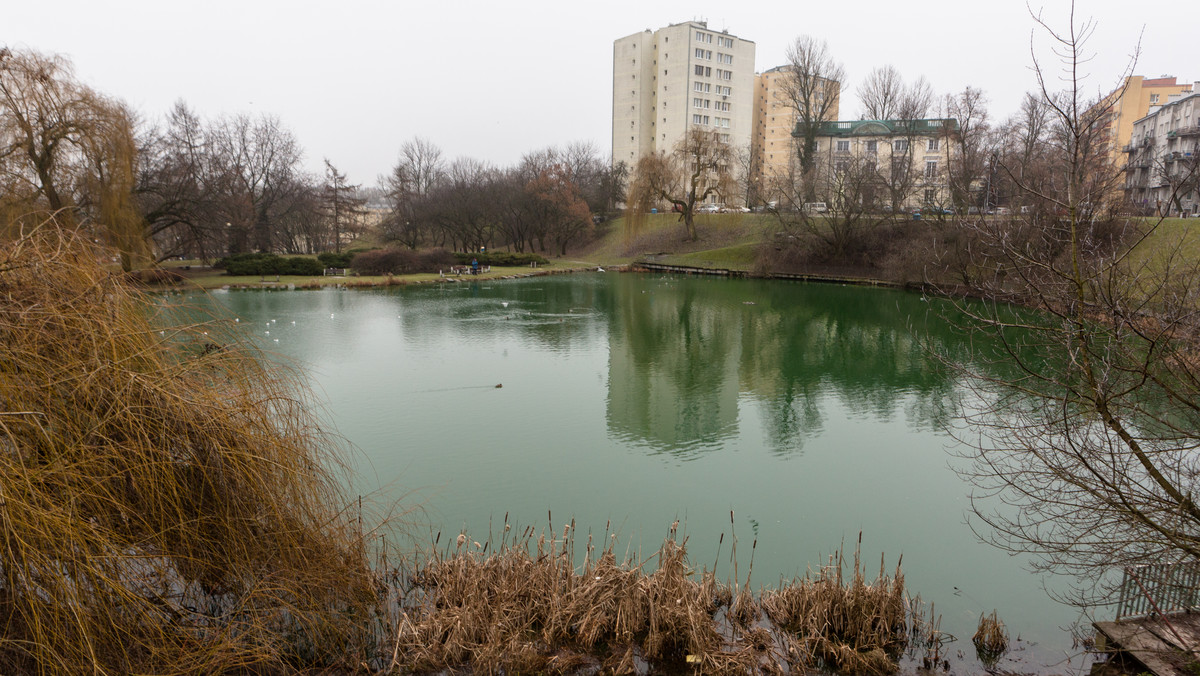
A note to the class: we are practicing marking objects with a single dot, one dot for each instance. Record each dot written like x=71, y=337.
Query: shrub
x=401, y=261
x=168, y=503
x=331, y=259
x=504, y=258
x=269, y=264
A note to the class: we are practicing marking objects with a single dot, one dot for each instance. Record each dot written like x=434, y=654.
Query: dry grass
x=528, y=607
x=167, y=504
x=990, y=639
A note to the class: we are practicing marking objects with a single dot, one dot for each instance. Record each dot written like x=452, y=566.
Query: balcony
x=1193, y=130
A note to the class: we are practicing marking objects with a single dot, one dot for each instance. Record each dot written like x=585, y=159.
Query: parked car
x=815, y=208
x=708, y=209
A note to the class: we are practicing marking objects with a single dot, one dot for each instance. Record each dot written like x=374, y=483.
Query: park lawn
x=725, y=235
x=736, y=257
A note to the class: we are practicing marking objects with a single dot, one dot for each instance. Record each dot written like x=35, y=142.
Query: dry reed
x=990, y=639
x=528, y=607
x=167, y=503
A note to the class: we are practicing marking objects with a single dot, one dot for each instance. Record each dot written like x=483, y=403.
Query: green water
x=811, y=411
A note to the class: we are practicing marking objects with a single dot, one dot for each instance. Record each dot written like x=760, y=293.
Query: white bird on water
x=504, y=303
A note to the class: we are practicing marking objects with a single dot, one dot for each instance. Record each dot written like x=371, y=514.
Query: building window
x=872, y=146
x=695, y=119
x=843, y=146
x=841, y=166
x=932, y=145
x=931, y=169
x=723, y=91
x=900, y=145
x=724, y=58
x=697, y=103
x=1153, y=99
x=930, y=195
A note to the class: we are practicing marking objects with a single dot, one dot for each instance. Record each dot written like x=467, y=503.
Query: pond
x=811, y=411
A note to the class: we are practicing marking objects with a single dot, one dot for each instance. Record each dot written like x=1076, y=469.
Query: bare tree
x=881, y=92
x=969, y=139
x=852, y=191
x=811, y=89
x=342, y=204
x=413, y=179
x=699, y=167
x=258, y=160
x=1084, y=433
x=885, y=96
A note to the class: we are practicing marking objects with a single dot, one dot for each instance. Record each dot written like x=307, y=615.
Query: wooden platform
x=1165, y=648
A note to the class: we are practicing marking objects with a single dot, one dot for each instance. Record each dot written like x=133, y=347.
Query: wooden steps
x=1165, y=648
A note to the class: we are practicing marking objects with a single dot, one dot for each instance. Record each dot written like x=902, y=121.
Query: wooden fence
x=1159, y=588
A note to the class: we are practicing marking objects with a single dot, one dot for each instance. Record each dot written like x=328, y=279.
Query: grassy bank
x=195, y=274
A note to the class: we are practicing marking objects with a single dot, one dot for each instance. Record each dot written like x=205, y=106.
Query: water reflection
x=682, y=356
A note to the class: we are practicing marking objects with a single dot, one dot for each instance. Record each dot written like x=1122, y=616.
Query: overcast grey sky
x=354, y=79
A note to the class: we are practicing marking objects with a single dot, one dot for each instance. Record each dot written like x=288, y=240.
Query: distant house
x=908, y=160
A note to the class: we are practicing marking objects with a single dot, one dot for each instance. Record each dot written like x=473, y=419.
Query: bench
x=467, y=270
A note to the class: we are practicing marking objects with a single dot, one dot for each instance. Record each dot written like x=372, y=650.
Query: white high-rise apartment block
x=684, y=75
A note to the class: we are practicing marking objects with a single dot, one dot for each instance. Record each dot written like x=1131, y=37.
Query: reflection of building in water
x=673, y=367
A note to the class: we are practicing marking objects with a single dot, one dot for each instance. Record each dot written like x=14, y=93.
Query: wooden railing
x=1159, y=588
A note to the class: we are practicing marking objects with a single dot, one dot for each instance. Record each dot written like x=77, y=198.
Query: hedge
x=270, y=264
x=401, y=261
x=503, y=258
